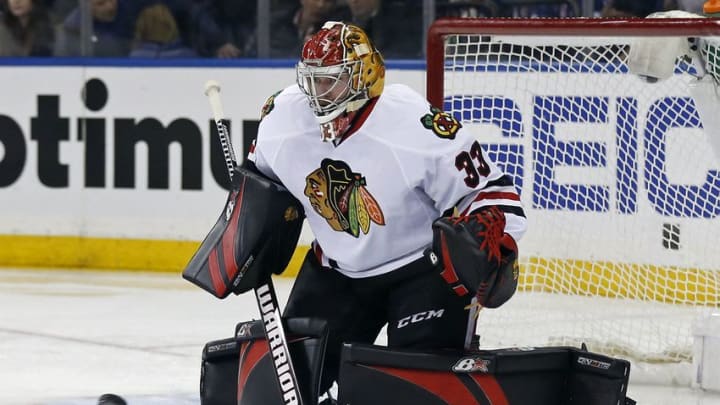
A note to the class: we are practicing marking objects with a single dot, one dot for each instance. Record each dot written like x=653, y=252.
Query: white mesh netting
x=620, y=184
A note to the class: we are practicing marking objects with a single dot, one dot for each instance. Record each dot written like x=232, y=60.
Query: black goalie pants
x=420, y=309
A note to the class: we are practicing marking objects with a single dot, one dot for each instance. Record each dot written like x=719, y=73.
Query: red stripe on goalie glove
x=448, y=273
x=226, y=249
x=216, y=278
x=228, y=239
x=460, y=290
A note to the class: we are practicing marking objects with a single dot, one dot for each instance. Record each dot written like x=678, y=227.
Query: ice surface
x=68, y=336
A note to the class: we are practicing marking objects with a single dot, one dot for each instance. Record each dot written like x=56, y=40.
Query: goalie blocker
x=254, y=237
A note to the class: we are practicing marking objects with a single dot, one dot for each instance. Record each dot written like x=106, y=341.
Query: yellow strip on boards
x=107, y=253
x=574, y=277
x=675, y=285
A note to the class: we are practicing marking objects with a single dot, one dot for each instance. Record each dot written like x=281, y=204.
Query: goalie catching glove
x=477, y=256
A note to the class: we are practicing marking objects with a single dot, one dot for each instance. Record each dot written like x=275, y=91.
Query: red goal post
x=595, y=27
x=617, y=173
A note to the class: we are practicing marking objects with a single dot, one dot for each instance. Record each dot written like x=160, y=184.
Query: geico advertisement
x=125, y=151
x=609, y=166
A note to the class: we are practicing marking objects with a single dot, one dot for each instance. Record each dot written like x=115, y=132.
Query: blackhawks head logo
x=441, y=123
x=341, y=197
x=268, y=106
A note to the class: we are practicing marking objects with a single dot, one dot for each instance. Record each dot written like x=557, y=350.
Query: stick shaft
x=213, y=94
x=277, y=341
x=265, y=293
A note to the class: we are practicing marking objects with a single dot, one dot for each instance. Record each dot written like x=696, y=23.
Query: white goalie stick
x=265, y=292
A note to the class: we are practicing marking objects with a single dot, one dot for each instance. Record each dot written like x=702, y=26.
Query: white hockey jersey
x=370, y=201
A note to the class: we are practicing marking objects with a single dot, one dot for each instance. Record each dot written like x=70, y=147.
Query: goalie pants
x=420, y=309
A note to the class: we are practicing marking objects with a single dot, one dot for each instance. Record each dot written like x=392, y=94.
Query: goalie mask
x=340, y=70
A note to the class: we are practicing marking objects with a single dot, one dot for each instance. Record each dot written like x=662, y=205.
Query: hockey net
x=618, y=177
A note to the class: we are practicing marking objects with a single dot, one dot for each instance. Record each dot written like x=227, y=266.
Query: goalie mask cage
x=618, y=178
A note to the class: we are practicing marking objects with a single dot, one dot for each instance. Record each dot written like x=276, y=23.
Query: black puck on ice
x=111, y=399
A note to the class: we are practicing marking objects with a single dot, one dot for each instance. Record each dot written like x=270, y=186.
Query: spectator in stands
x=293, y=24
x=25, y=29
x=548, y=9
x=467, y=9
x=630, y=8
x=393, y=25
x=182, y=12
x=224, y=28
x=113, y=25
x=691, y=6
x=157, y=35
x=60, y=9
